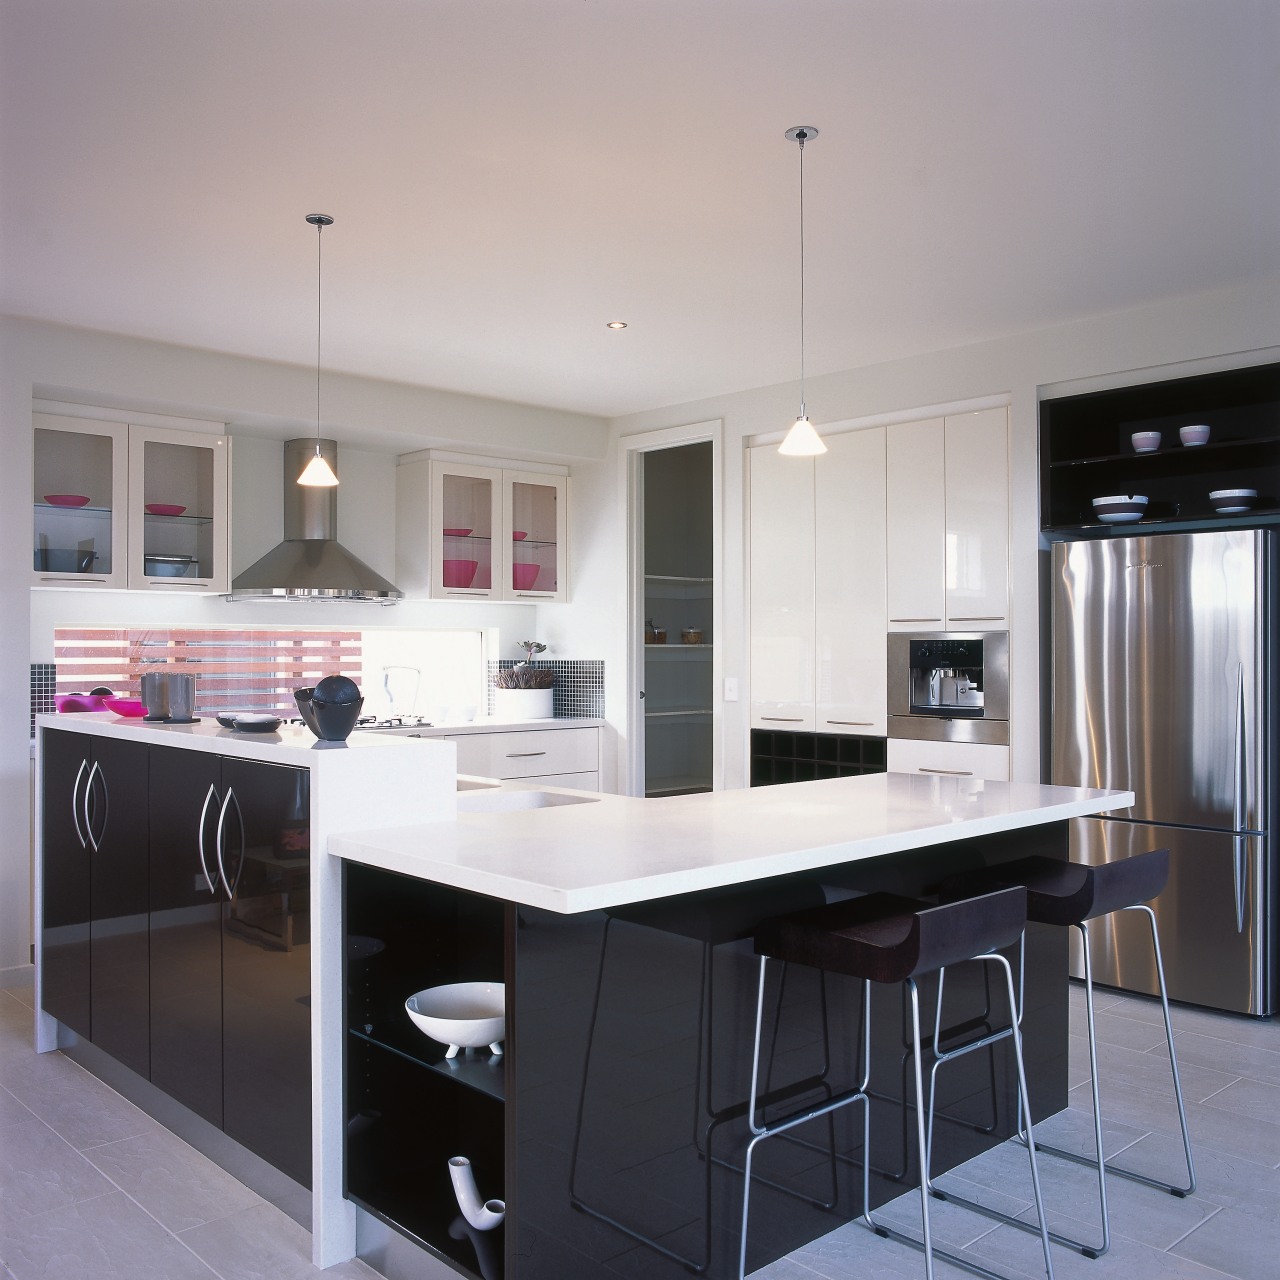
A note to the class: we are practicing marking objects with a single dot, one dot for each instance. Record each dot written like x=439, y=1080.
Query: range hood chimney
x=311, y=564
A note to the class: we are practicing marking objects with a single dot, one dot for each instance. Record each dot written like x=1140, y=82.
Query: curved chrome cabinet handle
x=230, y=886
x=96, y=771
x=75, y=800
x=211, y=794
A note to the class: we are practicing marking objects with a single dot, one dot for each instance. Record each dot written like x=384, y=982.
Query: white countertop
x=612, y=850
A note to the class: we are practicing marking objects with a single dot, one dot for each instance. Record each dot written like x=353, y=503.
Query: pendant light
x=802, y=441
x=318, y=473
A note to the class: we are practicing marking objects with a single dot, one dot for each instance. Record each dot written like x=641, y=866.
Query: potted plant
x=525, y=692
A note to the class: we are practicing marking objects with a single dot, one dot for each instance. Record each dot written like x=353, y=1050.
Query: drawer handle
x=79, y=577
x=915, y=619
x=978, y=617
x=862, y=724
x=520, y=755
x=784, y=719
x=951, y=773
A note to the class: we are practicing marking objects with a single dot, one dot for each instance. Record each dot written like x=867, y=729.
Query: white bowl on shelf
x=1194, y=434
x=1145, y=441
x=462, y=1015
x=1228, y=502
x=1120, y=508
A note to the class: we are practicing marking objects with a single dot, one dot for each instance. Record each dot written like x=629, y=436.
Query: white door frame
x=630, y=452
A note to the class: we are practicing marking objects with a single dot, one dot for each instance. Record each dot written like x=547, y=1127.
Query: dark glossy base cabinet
x=95, y=945
x=181, y=944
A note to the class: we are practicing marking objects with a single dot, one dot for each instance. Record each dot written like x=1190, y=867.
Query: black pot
x=334, y=720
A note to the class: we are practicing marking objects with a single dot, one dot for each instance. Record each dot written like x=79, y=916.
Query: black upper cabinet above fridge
x=1087, y=452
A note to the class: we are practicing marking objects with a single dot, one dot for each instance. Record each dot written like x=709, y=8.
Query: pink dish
x=456, y=533
x=164, y=509
x=65, y=702
x=131, y=707
x=66, y=499
x=460, y=573
x=518, y=535
x=523, y=576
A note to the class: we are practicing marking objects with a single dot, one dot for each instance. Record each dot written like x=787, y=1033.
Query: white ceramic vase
x=483, y=1215
x=523, y=704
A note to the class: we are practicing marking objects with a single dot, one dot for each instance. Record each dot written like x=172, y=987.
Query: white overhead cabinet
x=468, y=531
x=947, y=491
x=120, y=506
x=818, y=587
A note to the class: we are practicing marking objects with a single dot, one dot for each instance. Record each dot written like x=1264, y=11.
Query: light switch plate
x=731, y=688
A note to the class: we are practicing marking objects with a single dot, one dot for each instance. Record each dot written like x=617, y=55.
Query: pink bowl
x=164, y=509
x=523, y=576
x=78, y=702
x=460, y=573
x=456, y=533
x=131, y=707
x=518, y=535
x=66, y=499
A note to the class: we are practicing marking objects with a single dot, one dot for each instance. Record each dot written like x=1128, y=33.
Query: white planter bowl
x=1145, y=441
x=523, y=704
x=462, y=1015
x=1196, y=433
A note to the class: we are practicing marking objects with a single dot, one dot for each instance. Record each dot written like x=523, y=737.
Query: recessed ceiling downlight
x=616, y=324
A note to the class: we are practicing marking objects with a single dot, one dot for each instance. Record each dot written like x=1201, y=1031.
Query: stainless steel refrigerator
x=1163, y=661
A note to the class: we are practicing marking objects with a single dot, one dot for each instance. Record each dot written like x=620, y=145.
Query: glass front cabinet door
x=533, y=509
x=496, y=534
x=80, y=483
x=178, y=535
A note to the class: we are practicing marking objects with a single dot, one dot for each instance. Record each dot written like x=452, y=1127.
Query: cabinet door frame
x=218, y=581
x=497, y=558
x=976, y=487
x=118, y=434
x=507, y=528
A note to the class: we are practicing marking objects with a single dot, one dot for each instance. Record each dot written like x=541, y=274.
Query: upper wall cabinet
x=480, y=532
x=947, y=495
x=127, y=506
x=1087, y=451
x=818, y=587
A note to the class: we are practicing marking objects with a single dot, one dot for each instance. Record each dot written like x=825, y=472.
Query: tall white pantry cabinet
x=904, y=528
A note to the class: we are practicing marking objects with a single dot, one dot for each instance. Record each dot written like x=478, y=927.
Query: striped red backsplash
x=235, y=670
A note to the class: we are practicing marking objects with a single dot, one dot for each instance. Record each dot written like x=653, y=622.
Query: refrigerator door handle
x=1241, y=800
x=1240, y=864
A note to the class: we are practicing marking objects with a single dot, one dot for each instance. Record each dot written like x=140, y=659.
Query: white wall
x=264, y=403
x=1182, y=335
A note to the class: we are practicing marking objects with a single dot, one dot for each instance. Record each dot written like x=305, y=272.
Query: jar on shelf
x=691, y=635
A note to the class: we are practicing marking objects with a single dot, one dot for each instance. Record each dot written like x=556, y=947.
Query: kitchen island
x=612, y=1124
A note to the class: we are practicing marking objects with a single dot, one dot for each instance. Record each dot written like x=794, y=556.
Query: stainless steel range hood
x=311, y=564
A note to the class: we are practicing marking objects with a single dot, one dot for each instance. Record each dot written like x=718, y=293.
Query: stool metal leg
x=924, y=1137
x=1131, y=1174
x=761, y=1130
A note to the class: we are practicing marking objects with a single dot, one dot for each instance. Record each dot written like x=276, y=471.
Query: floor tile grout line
x=1224, y=1088
x=1209, y=1218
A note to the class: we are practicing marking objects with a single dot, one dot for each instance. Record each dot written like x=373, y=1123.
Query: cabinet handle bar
x=520, y=755
x=915, y=619
x=951, y=773
x=861, y=724
x=75, y=799
x=978, y=617
x=784, y=719
x=79, y=577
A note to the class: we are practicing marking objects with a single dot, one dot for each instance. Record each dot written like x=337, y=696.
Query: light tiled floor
x=90, y=1186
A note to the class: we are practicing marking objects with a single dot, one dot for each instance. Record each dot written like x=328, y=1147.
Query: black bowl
x=335, y=720
x=303, y=698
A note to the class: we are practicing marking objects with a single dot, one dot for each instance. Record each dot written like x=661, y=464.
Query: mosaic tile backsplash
x=579, y=687
x=44, y=678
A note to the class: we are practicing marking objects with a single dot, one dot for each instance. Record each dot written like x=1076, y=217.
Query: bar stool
x=1070, y=894
x=712, y=918
x=884, y=938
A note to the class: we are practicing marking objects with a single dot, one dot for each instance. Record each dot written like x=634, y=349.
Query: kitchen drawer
x=534, y=753
x=966, y=759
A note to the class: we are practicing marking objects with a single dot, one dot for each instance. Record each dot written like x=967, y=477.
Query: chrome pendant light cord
x=319, y=313
x=318, y=472
x=800, y=138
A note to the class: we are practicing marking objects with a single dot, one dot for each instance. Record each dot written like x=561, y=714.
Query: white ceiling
x=508, y=175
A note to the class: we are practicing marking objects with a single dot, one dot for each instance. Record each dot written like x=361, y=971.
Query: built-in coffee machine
x=950, y=686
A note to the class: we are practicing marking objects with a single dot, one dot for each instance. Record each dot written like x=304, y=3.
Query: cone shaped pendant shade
x=802, y=441
x=318, y=473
